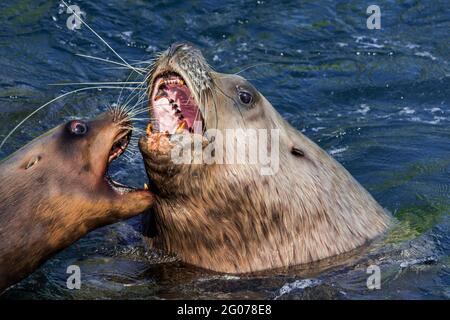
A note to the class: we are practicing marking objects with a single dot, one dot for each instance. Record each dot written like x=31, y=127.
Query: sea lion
x=55, y=190
x=230, y=217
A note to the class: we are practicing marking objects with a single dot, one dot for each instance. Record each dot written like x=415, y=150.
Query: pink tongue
x=182, y=97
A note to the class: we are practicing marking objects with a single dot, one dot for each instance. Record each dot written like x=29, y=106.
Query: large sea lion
x=55, y=190
x=230, y=217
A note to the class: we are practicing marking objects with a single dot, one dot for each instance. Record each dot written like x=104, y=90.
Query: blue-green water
x=377, y=100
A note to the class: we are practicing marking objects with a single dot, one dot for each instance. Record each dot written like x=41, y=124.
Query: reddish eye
x=78, y=128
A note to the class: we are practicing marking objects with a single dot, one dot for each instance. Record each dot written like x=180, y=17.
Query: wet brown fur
x=50, y=205
x=230, y=218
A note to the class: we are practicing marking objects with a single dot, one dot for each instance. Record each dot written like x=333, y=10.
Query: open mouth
x=119, y=147
x=173, y=106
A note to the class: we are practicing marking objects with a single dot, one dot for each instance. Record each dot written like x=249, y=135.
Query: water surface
x=377, y=100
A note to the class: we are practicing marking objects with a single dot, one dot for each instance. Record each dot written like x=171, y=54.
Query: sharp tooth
x=149, y=129
x=181, y=82
x=145, y=186
x=180, y=128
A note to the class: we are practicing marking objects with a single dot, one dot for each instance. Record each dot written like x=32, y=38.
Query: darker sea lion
x=230, y=217
x=55, y=190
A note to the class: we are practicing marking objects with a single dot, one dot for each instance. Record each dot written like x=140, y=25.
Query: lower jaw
x=119, y=187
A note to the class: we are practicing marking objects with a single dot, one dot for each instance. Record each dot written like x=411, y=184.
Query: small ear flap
x=32, y=162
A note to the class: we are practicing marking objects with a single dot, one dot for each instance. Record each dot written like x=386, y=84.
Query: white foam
x=412, y=46
x=434, y=110
x=425, y=54
x=297, y=285
x=435, y=120
x=407, y=110
x=337, y=150
x=363, y=109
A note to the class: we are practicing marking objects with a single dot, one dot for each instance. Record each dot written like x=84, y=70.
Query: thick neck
x=32, y=234
x=28, y=242
x=240, y=221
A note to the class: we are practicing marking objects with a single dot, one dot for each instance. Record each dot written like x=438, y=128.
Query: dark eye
x=245, y=97
x=78, y=128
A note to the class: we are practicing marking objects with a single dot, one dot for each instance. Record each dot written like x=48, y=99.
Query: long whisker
x=92, y=83
x=141, y=118
x=136, y=110
x=138, y=119
x=253, y=66
x=139, y=111
x=234, y=102
x=141, y=99
x=96, y=34
x=133, y=95
x=114, y=68
x=122, y=66
x=124, y=107
x=108, y=61
x=140, y=104
x=46, y=104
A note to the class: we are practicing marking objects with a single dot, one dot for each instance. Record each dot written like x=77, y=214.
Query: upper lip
x=161, y=79
x=119, y=145
x=164, y=77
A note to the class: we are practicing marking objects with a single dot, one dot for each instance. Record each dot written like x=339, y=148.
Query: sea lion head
x=65, y=172
x=188, y=97
x=233, y=216
x=56, y=189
